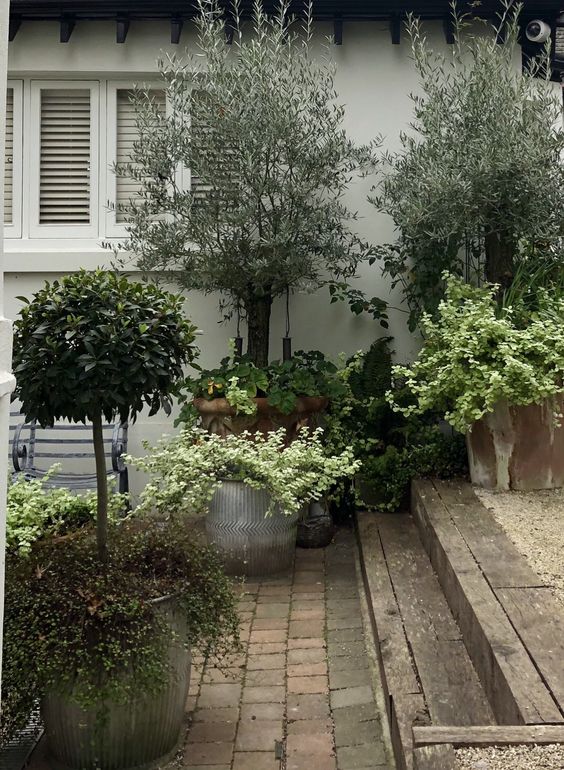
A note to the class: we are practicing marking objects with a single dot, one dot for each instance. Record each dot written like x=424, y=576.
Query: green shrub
x=387, y=476
x=476, y=354
x=34, y=512
x=187, y=469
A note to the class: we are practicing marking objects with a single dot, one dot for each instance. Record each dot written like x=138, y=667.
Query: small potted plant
x=495, y=369
x=109, y=621
x=255, y=487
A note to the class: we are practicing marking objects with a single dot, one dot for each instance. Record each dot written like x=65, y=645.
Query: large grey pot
x=141, y=734
x=249, y=542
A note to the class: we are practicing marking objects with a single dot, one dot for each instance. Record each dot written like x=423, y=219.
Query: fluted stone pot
x=518, y=447
x=218, y=416
x=249, y=542
x=139, y=735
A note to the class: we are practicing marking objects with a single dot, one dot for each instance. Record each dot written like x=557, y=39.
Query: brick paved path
x=302, y=689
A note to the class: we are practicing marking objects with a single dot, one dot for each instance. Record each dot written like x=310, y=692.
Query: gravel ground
x=535, y=523
x=511, y=758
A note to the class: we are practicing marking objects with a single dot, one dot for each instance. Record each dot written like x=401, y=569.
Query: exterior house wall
x=374, y=80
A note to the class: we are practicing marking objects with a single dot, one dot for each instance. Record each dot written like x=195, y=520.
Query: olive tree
x=93, y=346
x=259, y=125
x=480, y=173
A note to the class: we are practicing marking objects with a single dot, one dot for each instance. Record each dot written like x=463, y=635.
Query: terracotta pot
x=218, y=416
x=518, y=447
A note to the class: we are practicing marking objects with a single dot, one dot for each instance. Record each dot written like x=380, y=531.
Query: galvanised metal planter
x=249, y=542
x=139, y=735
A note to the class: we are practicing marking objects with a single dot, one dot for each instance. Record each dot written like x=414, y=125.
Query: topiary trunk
x=258, y=310
x=102, y=488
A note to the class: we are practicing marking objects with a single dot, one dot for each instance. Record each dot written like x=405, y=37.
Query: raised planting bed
x=512, y=624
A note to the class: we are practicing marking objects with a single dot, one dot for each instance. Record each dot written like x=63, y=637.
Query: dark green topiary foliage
x=99, y=343
x=95, y=345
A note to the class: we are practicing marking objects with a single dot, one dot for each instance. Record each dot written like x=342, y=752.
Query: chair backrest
x=34, y=450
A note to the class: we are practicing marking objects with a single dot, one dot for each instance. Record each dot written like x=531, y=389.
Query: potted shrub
x=239, y=396
x=112, y=621
x=496, y=372
x=254, y=486
x=265, y=214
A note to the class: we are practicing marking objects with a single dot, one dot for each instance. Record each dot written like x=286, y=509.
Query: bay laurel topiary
x=95, y=345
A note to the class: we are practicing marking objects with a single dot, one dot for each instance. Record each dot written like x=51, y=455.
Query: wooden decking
x=471, y=643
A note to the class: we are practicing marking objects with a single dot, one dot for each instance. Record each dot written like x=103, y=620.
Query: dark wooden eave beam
x=122, y=28
x=176, y=24
x=449, y=29
x=338, y=29
x=15, y=24
x=67, y=26
x=395, y=28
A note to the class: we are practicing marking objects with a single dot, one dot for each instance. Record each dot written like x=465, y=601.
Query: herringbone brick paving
x=300, y=696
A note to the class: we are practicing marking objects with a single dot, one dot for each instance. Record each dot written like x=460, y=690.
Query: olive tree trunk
x=500, y=259
x=258, y=310
x=102, y=488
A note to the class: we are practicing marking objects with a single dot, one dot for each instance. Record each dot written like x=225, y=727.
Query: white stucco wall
x=374, y=80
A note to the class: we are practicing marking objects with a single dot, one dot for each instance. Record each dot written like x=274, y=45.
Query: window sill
x=60, y=256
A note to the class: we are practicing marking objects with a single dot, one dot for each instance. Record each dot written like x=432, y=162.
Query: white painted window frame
x=14, y=229
x=112, y=228
x=37, y=230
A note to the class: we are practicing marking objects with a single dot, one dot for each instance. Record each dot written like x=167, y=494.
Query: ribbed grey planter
x=141, y=734
x=250, y=543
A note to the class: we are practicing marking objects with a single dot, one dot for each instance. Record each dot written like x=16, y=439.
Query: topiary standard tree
x=96, y=345
x=481, y=173
x=259, y=125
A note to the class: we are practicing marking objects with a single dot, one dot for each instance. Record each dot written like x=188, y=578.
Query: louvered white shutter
x=65, y=156
x=127, y=134
x=9, y=160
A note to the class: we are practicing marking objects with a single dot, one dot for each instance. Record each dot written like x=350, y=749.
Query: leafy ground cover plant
x=476, y=354
x=34, y=512
x=185, y=471
x=482, y=170
x=266, y=212
x=94, y=345
x=391, y=448
x=71, y=627
x=239, y=381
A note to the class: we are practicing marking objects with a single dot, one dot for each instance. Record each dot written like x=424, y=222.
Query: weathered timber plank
x=391, y=638
x=404, y=710
x=451, y=687
x=538, y=618
x=488, y=735
x=404, y=698
x=440, y=757
x=514, y=687
x=499, y=559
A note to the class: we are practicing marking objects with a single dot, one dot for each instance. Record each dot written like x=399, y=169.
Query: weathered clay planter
x=218, y=416
x=249, y=542
x=518, y=447
x=138, y=735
